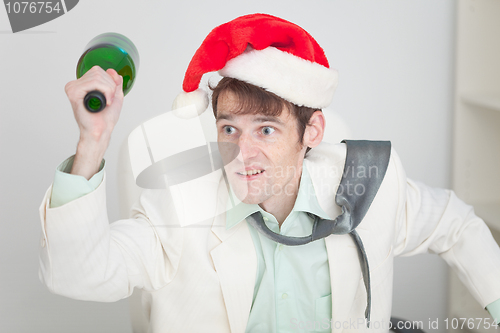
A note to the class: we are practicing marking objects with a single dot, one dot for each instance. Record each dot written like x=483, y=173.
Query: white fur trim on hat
x=198, y=98
x=294, y=79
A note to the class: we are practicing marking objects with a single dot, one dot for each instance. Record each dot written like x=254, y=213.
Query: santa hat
x=265, y=51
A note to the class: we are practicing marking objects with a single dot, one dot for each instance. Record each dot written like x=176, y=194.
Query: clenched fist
x=95, y=128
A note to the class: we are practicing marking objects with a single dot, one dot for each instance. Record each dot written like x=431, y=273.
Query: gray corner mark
x=24, y=15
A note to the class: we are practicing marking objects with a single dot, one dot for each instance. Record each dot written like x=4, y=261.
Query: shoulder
x=326, y=164
x=333, y=156
x=327, y=154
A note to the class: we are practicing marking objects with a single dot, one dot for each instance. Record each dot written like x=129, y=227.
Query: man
x=227, y=274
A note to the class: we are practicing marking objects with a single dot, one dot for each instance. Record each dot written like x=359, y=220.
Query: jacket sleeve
x=84, y=257
x=435, y=220
x=67, y=187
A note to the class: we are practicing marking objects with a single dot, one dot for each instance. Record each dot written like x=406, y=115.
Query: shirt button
x=266, y=219
x=284, y=296
x=280, y=247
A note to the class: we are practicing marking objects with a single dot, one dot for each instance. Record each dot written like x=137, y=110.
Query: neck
x=281, y=205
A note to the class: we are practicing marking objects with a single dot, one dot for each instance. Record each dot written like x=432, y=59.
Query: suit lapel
x=236, y=264
x=327, y=162
x=345, y=275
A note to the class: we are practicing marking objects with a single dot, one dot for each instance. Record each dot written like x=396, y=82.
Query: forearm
x=474, y=255
x=79, y=259
x=83, y=256
x=437, y=221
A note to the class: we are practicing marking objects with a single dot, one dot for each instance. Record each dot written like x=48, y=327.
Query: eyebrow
x=261, y=119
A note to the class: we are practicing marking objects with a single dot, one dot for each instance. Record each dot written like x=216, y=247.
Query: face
x=269, y=163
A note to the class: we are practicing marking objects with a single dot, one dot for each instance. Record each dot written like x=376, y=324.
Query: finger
x=111, y=77
x=115, y=76
x=119, y=90
x=100, y=81
x=118, y=81
x=108, y=89
x=97, y=73
x=97, y=79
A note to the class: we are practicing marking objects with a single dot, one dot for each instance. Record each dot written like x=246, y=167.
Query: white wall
x=395, y=60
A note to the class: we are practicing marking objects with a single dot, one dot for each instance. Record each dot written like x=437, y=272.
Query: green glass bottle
x=109, y=50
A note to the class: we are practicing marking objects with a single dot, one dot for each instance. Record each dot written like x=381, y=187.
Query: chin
x=252, y=200
x=247, y=198
x=249, y=195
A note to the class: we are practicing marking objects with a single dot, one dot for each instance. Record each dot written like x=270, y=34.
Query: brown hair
x=256, y=100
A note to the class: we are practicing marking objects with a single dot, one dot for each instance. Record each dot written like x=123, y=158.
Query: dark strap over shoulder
x=370, y=159
x=365, y=166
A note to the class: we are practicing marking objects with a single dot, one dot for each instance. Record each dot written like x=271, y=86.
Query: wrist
x=95, y=139
x=89, y=156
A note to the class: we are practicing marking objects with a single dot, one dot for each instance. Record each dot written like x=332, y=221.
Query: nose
x=248, y=147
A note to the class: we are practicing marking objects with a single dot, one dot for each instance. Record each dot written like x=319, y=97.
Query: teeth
x=249, y=172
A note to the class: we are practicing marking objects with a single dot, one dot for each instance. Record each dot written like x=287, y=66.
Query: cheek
x=221, y=137
x=286, y=159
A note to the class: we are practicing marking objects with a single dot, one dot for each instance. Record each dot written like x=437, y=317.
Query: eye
x=228, y=130
x=267, y=130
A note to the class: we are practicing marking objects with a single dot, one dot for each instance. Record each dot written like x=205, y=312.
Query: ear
x=315, y=129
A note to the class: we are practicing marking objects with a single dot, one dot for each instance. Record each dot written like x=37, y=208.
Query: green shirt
x=292, y=292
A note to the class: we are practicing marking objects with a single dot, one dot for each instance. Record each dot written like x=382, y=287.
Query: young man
x=232, y=273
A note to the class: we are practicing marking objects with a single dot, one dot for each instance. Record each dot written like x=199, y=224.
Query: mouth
x=250, y=174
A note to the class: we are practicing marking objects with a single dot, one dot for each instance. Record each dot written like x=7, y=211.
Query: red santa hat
x=265, y=51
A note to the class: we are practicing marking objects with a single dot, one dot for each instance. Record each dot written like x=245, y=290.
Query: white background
x=396, y=65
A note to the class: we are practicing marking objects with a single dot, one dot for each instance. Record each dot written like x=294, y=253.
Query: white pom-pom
x=198, y=98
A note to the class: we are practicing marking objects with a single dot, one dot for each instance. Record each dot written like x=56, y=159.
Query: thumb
x=115, y=76
x=119, y=87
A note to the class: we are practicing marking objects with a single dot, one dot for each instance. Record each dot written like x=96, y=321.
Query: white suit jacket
x=201, y=277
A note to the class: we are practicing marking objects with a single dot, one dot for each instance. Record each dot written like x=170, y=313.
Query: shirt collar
x=306, y=202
